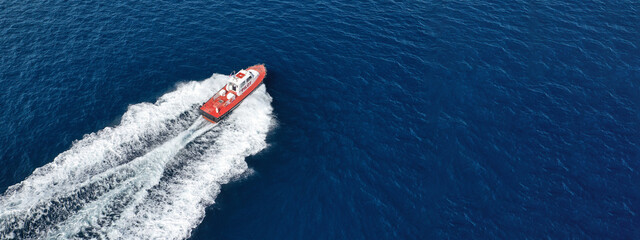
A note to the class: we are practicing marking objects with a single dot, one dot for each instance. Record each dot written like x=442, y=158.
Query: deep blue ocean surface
x=378, y=120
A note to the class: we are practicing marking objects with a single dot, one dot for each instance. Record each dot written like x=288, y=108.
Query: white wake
x=150, y=177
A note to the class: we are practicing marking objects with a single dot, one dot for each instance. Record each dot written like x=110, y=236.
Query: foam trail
x=148, y=170
x=150, y=177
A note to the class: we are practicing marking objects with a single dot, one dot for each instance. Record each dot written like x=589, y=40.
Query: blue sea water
x=379, y=120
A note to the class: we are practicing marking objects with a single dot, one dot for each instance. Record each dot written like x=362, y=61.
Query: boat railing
x=219, y=94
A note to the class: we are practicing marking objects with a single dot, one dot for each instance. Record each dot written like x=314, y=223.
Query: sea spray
x=151, y=176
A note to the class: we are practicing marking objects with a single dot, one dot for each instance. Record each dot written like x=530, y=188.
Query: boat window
x=232, y=87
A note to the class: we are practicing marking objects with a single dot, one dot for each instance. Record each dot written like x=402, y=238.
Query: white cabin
x=241, y=81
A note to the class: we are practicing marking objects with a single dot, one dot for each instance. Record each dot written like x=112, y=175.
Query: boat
x=240, y=85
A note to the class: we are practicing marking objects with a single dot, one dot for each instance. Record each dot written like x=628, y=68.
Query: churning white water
x=150, y=177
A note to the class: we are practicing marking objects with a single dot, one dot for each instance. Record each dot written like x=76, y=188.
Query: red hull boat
x=240, y=85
